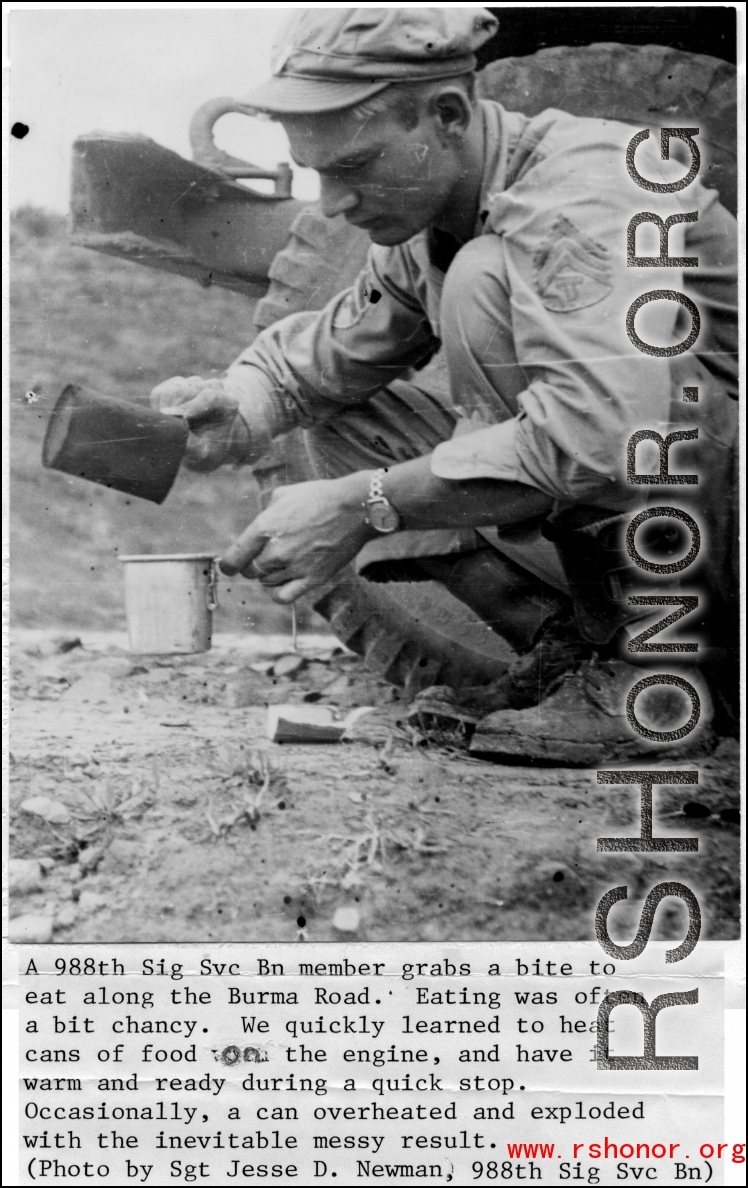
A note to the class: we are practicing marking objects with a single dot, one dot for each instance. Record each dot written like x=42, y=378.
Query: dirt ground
x=148, y=804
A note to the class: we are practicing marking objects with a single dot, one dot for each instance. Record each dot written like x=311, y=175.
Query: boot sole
x=567, y=753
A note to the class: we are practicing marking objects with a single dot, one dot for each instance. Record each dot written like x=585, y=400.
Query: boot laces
x=592, y=670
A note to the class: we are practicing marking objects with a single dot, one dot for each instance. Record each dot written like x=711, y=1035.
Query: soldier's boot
x=575, y=652
x=590, y=716
x=586, y=722
x=560, y=648
x=530, y=678
x=517, y=606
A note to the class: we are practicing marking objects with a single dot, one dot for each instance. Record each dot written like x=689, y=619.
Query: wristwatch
x=380, y=513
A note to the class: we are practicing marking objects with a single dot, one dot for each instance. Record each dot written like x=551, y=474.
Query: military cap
x=327, y=59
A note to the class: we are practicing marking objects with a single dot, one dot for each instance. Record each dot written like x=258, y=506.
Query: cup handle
x=213, y=586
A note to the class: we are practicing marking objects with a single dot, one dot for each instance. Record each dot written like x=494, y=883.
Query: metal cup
x=115, y=442
x=169, y=602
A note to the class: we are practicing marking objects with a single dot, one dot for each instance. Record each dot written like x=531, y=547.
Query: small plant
x=247, y=770
x=104, y=805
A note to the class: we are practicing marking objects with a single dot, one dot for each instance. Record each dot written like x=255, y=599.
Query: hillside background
x=118, y=329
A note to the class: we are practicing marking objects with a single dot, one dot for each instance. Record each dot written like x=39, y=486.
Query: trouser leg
x=487, y=379
x=484, y=369
x=511, y=600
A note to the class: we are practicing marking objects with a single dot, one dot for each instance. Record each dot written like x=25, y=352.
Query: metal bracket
x=206, y=152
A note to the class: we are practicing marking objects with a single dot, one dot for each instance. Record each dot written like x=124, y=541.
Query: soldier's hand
x=306, y=534
x=218, y=433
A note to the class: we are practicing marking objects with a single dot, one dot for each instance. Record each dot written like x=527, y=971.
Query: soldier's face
x=390, y=180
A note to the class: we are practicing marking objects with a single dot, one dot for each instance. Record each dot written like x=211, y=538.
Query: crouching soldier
x=498, y=241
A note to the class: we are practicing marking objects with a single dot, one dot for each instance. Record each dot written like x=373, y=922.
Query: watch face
x=383, y=517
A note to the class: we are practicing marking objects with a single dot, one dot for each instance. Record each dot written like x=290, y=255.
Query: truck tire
x=643, y=85
x=416, y=634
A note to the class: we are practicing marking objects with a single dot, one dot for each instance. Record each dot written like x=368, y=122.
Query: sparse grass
x=119, y=329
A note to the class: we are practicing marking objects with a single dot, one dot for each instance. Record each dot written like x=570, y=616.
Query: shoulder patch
x=571, y=270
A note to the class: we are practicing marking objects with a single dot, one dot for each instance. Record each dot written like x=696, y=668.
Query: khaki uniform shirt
x=587, y=387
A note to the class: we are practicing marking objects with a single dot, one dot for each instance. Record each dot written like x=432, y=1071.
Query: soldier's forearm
x=426, y=501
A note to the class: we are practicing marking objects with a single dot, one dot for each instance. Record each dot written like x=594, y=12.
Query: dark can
x=116, y=443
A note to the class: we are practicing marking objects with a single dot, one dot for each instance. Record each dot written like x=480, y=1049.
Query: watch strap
x=378, y=501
